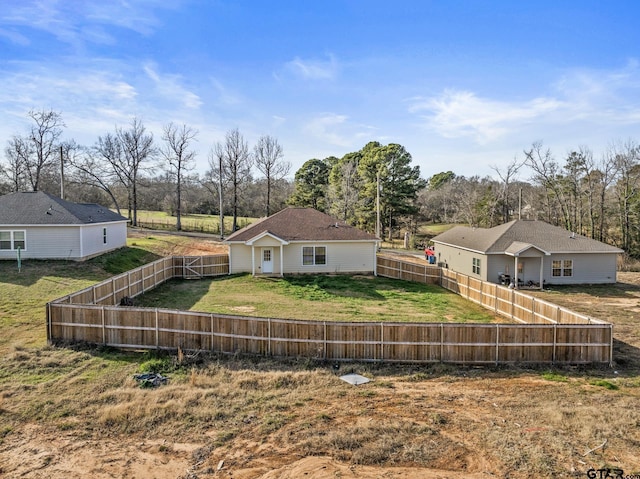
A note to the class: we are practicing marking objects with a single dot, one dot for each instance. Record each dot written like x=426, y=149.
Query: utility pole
x=220, y=197
x=378, y=204
x=61, y=173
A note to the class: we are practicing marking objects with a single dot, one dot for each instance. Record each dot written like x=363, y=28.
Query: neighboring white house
x=301, y=240
x=44, y=226
x=527, y=252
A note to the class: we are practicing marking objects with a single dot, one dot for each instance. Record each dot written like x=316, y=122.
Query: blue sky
x=463, y=85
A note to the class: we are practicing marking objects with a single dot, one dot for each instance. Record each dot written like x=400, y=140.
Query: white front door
x=267, y=260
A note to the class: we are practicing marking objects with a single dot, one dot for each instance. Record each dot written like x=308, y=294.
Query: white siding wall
x=92, y=238
x=461, y=260
x=240, y=257
x=588, y=268
x=60, y=242
x=68, y=242
x=341, y=258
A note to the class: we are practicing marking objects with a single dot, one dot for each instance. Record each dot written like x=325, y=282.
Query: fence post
x=48, y=312
x=381, y=342
x=533, y=310
x=213, y=336
x=104, y=328
x=611, y=345
x=558, y=315
x=158, y=331
x=513, y=301
x=497, y=342
x=269, y=336
x=555, y=343
x=324, y=340
x=400, y=277
x=441, y=342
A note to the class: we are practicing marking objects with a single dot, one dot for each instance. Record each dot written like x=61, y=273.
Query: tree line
x=376, y=188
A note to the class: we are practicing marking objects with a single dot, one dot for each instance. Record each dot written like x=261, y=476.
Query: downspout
x=541, y=271
x=281, y=259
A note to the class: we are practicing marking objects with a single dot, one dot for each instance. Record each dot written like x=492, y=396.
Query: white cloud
x=225, y=95
x=314, y=69
x=76, y=22
x=462, y=113
x=336, y=130
x=580, y=97
x=14, y=37
x=169, y=87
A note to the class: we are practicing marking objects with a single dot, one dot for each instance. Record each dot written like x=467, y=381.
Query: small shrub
x=605, y=384
x=156, y=365
x=551, y=376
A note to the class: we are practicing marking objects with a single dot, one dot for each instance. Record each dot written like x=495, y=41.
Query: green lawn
x=326, y=298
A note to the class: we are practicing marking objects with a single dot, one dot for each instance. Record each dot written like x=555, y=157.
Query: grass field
x=191, y=222
x=77, y=412
x=326, y=298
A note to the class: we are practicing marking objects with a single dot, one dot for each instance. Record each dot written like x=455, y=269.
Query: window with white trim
x=562, y=267
x=12, y=240
x=314, y=255
x=476, y=266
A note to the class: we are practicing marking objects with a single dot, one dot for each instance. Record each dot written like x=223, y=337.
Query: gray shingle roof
x=39, y=208
x=499, y=239
x=301, y=224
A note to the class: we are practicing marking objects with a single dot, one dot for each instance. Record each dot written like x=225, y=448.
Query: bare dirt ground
x=474, y=423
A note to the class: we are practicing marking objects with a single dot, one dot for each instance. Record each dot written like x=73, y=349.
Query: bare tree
x=267, y=155
x=89, y=168
x=215, y=179
x=507, y=177
x=137, y=148
x=15, y=169
x=108, y=152
x=237, y=168
x=547, y=175
x=43, y=139
x=176, y=152
x=627, y=188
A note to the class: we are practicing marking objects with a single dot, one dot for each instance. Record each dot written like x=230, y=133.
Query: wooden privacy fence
x=145, y=278
x=147, y=328
x=551, y=335
x=509, y=303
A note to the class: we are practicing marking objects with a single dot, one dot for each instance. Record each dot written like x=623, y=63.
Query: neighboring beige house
x=527, y=253
x=44, y=226
x=301, y=240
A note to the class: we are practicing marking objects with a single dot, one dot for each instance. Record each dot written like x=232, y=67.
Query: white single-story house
x=43, y=226
x=301, y=240
x=526, y=253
